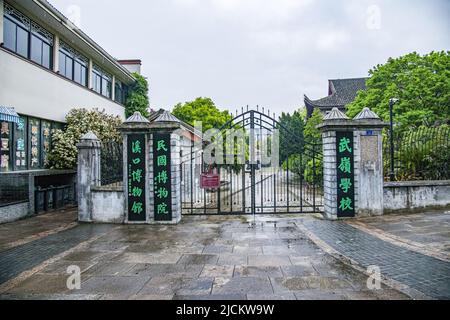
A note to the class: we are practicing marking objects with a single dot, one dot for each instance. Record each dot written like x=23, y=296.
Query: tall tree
x=422, y=83
x=204, y=110
x=138, y=97
x=312, y=134
x=291, y=134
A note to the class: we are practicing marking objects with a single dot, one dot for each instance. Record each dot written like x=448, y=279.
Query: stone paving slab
x=203, y=258
x=423, y=273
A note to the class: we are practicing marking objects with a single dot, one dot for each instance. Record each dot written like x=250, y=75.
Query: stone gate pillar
x=353, y=165
x=89, y=172
x=136, y=162
x=165, y=170
x=369, y=147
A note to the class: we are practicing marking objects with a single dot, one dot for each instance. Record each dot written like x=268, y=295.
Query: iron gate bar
x=267, y=184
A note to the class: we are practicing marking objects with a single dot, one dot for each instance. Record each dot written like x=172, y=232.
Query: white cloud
x=266, y=52
x=331, y=40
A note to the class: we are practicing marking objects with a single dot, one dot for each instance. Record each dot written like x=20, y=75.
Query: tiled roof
x=344, y=91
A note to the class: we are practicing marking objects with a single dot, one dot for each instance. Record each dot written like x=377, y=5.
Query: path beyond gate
x=292, y=185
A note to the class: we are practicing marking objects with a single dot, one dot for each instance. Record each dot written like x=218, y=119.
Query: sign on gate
x=136, y=178
x=209, y=181
x=162, y=177
x=345, y=174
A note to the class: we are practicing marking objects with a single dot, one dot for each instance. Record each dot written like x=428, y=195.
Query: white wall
x=133, y=68
x=40, y=93
x=107, y=206
x=414, y=195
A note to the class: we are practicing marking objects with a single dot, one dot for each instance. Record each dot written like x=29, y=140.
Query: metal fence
x=112, y=164
x=419, y=154
x=14, y=188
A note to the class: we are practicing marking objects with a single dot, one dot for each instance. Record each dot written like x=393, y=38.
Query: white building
x=48, y=66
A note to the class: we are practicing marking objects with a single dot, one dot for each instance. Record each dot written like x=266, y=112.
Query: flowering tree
x=64, y=151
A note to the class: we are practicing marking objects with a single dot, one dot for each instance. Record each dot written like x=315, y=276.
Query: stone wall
x=14, y=212
x=416, y=195
x=329, y=174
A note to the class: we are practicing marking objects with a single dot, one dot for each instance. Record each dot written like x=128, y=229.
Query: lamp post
x=392, y=102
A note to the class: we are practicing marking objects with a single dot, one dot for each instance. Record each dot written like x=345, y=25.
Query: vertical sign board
x=345, y=175
x=136, y=178
x=162, y=177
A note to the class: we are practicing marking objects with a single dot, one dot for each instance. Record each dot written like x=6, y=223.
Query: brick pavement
x=423, y=273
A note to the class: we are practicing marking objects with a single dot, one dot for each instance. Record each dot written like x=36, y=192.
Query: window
x=106, y=86
x=41, y=52
x=22, y=42
x=26, y=38
x=9, y=34
x=80, y=73
x=97, y=81
x=26, y=145
x=72, y=64
x=119, y=92
x=41, y=46
x=16, y=36
x=101, y=82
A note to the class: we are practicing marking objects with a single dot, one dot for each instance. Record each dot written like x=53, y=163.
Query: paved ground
x=426, y=274
x=24, y=231
x=202, y=258
x=427, y=232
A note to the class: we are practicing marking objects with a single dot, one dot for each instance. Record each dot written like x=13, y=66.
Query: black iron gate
x=292, y=185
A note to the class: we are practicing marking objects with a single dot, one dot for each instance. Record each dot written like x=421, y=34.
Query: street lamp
x=392, y=102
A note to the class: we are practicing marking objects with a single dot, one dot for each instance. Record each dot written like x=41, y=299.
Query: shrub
x=64, y=151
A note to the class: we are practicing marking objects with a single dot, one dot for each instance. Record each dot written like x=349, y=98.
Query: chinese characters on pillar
x=136, y=178
x=345, y=174
x=162, y=177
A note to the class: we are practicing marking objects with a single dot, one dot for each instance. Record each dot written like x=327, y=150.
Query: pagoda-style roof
x=341, y=93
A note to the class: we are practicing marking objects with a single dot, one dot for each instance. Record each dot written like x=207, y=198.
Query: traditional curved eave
x=323, y=103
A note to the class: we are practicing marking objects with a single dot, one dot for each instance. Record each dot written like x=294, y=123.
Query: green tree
x=64, y=152
x=137, y=99
x=204, y=110
x=422, y=83
x=291, y=134
x=312, y=134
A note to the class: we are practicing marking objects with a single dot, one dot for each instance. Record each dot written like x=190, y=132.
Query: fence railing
x=111, y=164
x=419, y=154
x=14, y=188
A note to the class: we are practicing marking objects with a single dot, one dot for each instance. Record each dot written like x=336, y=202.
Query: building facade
x=48, y=67
x=341, y=92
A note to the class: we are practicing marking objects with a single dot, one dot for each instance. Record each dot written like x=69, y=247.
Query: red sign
x=209, y=181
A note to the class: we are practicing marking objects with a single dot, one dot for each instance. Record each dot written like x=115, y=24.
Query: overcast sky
x=266, y=52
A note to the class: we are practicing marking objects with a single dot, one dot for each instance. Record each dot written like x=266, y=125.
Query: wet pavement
x=427, y=232
x=428, y=275
x=27, y=230
x=202, y=258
